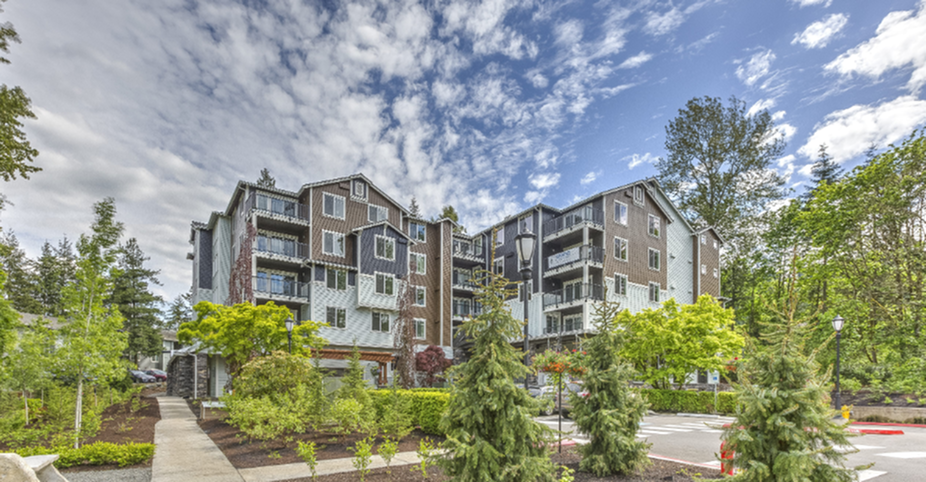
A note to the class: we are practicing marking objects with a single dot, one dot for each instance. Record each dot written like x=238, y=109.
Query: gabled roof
x=710, y=228
x=351, y=178
x=381, y=223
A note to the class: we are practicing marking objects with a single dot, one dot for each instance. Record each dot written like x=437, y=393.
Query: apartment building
x=337, y=251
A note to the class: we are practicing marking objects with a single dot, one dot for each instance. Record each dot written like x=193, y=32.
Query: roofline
x=387, y=223
x=351, y=177
x=709, y=228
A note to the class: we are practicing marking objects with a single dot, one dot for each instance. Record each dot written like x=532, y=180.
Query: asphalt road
x=896, y=458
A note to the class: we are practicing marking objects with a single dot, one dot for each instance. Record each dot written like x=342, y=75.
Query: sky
x=491, y=106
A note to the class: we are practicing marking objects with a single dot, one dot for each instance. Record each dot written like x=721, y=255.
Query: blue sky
x=490, y=106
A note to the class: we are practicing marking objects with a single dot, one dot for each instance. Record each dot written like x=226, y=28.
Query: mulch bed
x=244, y=454
x=662, y=471
x=120, y=426
x=865, y=398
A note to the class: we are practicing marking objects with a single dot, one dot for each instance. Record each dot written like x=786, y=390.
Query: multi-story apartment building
x=337, y=251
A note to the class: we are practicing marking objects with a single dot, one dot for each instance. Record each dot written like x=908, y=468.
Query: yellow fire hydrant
x=846, y=411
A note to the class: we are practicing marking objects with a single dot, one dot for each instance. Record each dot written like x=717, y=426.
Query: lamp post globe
x=289, y=333
x=525, y=243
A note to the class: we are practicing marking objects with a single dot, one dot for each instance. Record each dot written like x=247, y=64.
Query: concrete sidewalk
x=183, y=451
x=332, y=466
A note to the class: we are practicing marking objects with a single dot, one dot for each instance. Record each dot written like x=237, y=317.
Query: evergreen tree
x=413, y=209
x=611, y=413
x=784, y=427
x=178, y=312
x=824, y=171
x=448, y=212
x=490, y=433
x=48, y=287
x=9, y=320
x=22, y=282
x=16, y=154
x=131, y=295
x=354, y=386
x=266, y=180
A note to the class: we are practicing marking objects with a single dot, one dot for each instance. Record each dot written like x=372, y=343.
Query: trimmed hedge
x=427, y=406
x=688, y=402
x=98, y=453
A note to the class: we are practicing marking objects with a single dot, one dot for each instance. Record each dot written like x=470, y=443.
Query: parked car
x=547, y=394
x=141, y=377
x=159, y=375
x=568, y=389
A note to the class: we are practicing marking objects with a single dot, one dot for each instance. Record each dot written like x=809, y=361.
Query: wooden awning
x=381, y=357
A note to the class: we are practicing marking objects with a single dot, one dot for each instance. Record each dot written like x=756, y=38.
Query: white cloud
x=756, y=67
x=589, y=178
x=544, y=180
x=849, y=132
x=759, y=106
x=897, y=43
x=635, y=61
x=662, y=23
x=777, y=116
x=786, y=166
x=786, y=131
x=807, y=3
x=637, y=159
x=818, y=34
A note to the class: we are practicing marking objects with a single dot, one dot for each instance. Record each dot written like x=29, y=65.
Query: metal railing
x=574, y=292
x=578, y=254
x=282, y=287
x=284, y=247
x=567, y=326
x=575, y=217
x=463, y=280
x=290, y=209
x=462, y=310
x=467, y=250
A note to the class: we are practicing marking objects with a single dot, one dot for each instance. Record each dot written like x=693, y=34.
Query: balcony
x=468, y=251
x=463, y=281
x=279, y=209
x=572, y=259
x=463, y=310
x=282, y=289
x=573, y=221
x=281, y=249
x=572, y=295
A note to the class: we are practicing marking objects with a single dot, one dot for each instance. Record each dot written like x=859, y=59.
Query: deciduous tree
x=432, y=362
x=16, y=154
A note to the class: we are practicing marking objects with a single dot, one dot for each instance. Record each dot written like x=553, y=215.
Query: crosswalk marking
x=653, y=432
x=905, y=455
x=670, y=429
x=869, y=474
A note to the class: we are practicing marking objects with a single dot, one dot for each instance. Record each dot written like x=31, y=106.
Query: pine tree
x=611, y=413
x=135, y=301
x=824, y=171
x=784, y=427
x=490, y=433
x=22, y=282
x=413, y=209
x=266, y=180
x=354, y=386
x=178, y=312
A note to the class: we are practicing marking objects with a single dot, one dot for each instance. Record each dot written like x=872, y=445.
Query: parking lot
x=896, y=458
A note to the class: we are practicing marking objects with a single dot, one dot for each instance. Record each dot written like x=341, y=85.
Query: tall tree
x=413, y=209
x=9, y=320
x=179, y=312
x=132, y=296
x=266, y=180
x=22, y=282
x=448, y=212
x=404, y=336
x=91, y=338
x=52, y=274
x=16, y=154
x=824, y=171
x=27, y=363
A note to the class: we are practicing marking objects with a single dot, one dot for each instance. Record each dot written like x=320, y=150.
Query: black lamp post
x=525, y=244
x=289, y=333
x=837, y=325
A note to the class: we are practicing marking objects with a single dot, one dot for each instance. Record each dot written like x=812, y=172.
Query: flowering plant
x=556, y=362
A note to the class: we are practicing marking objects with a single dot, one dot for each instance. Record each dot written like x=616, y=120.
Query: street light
x=838, y=322
x=524, y=242
x=289, y=333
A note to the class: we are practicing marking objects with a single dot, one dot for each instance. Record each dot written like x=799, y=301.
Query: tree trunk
x=78, y=410
x=26, y=404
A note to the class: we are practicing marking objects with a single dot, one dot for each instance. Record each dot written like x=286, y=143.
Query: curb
x=874, y=431
x=685, y=462
x=697, y=415
x=884, y=424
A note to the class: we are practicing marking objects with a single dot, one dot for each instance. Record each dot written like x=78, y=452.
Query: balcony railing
x=281, y=287
x=283, y=247
x=463, y=310
x=574, y=292
x=461, y=280
x=289, y=209
x=464, y=249
x=569, y=325
x=576, y=217
x=579, y=254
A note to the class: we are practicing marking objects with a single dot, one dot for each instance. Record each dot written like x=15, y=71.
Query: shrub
x=306, y=452
x=263, y=418
x=387, y=450
x=425, y=452
x=98, y=453
x=432, y=363
x=363, y=453
x=688, y=402
x=396, y=419
x=273, y=374
x=425, y=408
x=350, y=415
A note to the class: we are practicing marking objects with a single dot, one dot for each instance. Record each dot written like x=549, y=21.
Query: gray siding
x=205, y=258
x=370, y=264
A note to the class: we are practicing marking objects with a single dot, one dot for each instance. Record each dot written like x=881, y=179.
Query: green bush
x=688, y=402
x=264, y=418
x=99, y=453
x=425, y=407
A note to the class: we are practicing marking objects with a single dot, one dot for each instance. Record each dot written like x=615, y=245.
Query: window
x=499, y=266
x=333, y=205
x=417, y=232
x=385, y=284
x=377, y=213
x=620, y=213
x=715, y=272
x=526, y=224
x=638, y=195
x=385, y=248
x=420, y=328
x=420, y=296
x=553, y=325
x=715, y=244
x=620, y=249
x=620, y=284
x=703, y=269
x=333, y=243
x=359, y=189
x=336, y=317
x=654, y=292
x=500, y=236
x=337, y=278
x=654, y=225
x=654, y=255
x=380, y=322
x=419, y=263
x=704, y=239
x=572, y=323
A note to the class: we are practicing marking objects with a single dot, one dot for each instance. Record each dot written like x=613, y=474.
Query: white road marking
x=712, y=462
x=653, y=432
x=905, y=455
x=672, y=429
x=869, y=474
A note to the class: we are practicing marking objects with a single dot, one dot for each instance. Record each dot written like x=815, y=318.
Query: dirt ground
x=121, y=425
x=865, y=398
x=661, y=471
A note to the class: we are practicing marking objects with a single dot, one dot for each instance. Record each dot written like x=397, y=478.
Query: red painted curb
x=880, y=432
x=891, y=424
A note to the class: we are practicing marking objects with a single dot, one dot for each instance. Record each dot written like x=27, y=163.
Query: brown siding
x=431, y=248
x=639, y=241
x=710, y=257
x=446, y=230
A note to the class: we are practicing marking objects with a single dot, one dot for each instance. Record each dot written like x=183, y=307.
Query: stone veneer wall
x=180, y=376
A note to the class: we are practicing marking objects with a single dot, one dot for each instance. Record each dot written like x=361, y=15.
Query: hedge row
x=426, y=406
x=688, y=402
x=98, y=453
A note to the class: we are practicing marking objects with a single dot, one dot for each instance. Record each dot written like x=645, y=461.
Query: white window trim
x=425, y=303
x=715, y=244
x=626, y=211
x=380, y=313
x=385, y=275
x=369, y=206
x=642, y=200
x=415, y=234
x=658, y=229
x=521, y=221
x=415, y=257
x=343, y=244
x=495, y=262
x=424, y=324
x=500, y=236
x=704, y=239
x=336, y=197
x=648, y=257
x=335, y=325
x=626, y=283
x=376, y=246
x=658, y=293
x=703, y=269
x=715, y=273
x=327, y=269
x=626, y=250
x=353, y=189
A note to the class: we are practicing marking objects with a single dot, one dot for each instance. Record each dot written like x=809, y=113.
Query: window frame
x=376, y=247
x=414, y=234
x=336, y=198
x=716, y=273
x=421, y=290
x=626, y=245
x=343, y=243
x=424, y=328
x=372, y=207
x=625, y=215
x=500, y=236
x=649, y=225
x=642, y=196
x=362, y=184
x=337, y=311
x=703, y=270
x=386, y=276
x=658, y=259
x=495, y=265
x=522, y=219
x=623, y=277
x=337, y=272
x=419, y=256
x=376, y=322
x=658, y=292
